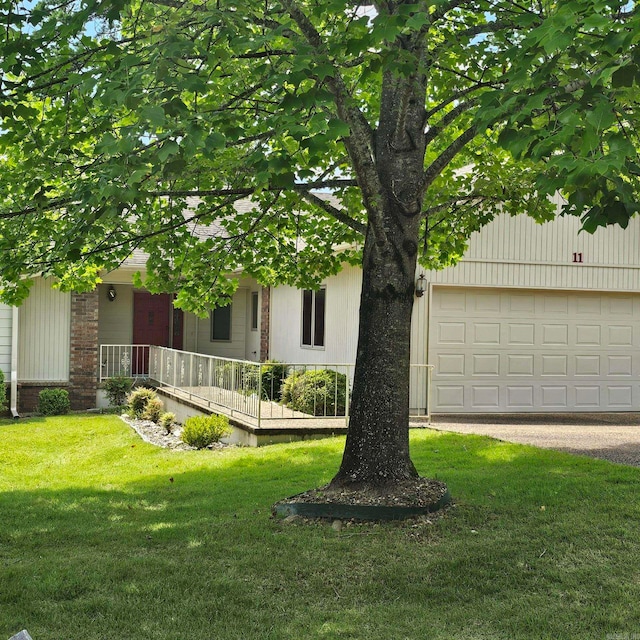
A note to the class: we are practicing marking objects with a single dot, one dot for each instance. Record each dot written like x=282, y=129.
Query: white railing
x=259, y=391
x=129, y=360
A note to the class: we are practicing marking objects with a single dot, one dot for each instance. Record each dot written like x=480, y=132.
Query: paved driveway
x=612, y=436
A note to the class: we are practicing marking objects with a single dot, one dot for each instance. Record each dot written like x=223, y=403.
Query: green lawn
x=96, y=541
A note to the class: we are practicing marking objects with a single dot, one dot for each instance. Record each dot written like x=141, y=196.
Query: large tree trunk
x=377, y=448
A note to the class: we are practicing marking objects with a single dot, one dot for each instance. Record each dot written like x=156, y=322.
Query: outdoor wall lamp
x=111, y=293
x=421, y=286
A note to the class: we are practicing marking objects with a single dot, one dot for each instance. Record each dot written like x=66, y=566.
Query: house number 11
x=577, y=257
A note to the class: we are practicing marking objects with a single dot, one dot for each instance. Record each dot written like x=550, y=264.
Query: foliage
x=53, y=402
x=272, y=374
x=167, y=420
x=271, y=99
x=138, y=400
x=3, y=392
x=153, y=409
x=201, y=431
x=117, y=388
x=319, y=392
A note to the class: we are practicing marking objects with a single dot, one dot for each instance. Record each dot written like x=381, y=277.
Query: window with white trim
x=313, y=318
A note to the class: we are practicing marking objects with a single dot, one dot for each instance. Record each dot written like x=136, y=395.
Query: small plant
x=272, y=374
x=167, y=420
x=117, y=389
x=138, y=399
x=3, y=392
x=201, y=431
x=153, y=410
x=318, y=392
x=53, y=402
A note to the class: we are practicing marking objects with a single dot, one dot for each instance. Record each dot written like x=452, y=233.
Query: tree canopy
x=119, y=115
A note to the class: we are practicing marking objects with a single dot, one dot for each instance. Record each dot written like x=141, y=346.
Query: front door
x=151, y=325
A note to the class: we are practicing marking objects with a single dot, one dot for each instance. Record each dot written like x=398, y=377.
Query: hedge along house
x=534, y=318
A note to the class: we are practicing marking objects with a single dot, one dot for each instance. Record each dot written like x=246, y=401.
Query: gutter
x=14, y=364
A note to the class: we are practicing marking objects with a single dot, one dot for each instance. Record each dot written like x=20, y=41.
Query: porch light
x=421, y=286
x=111, y=293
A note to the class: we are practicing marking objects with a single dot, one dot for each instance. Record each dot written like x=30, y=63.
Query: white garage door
x=499, y=350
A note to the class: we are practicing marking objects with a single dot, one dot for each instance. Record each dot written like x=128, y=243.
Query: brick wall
x=265, y=313
x=28, y=394
x=83, y=359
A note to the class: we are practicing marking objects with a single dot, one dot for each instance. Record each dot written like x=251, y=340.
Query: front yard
x=103, y=536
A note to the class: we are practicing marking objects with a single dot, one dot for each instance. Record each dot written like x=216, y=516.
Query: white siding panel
x=43, y=334
x=6, y=315
x=341, y=321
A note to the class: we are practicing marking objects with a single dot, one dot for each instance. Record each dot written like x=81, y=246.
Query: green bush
x=318, y=392
x=117, y=389
x=138, y=399
x=53, y=402
x=167, y=420
x=272, y=373
x=153, y=410
x=201, y=431
x=3, y=392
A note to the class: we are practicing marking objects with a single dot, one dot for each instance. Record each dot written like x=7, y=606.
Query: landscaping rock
x=23, y=635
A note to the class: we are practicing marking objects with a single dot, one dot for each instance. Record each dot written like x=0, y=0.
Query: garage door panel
x=520, y=364
x=534, y=351
x=619, y=365
x=588, y=335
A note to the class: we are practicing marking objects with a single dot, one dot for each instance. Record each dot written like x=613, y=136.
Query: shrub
x=53, y=402
x=167, y=420
x=3, y=392
x=153, y=410
x=318, y=392
x=117, y=389
x=201, y=431
x=138, y=399
x=272, y=373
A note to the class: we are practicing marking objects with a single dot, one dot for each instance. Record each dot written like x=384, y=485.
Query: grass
x=104, y=536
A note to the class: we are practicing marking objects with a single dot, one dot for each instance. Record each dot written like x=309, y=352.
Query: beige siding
x=517, y=252
x=115, y=318
x=45, y=320
x=236, y=347
x=5, y=339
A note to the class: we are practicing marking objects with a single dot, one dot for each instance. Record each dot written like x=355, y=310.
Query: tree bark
x=377, y=449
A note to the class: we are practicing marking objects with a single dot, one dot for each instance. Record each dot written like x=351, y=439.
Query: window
x=313, y=309
x=221, y=324
x=254, y=311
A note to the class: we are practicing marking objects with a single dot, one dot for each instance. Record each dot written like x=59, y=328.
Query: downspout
x=14, y=364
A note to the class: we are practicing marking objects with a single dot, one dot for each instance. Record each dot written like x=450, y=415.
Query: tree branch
x=334, y=212
x=436, y=167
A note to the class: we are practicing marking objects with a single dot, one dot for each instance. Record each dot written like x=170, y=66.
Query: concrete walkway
x=611, y=436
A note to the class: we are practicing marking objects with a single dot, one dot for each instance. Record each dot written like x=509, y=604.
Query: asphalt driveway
x=611, y=436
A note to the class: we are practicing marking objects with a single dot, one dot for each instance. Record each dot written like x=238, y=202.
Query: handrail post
x=346, y=397
x=429, y=369
x=259, y=393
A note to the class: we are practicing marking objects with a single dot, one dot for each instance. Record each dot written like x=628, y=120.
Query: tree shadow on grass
x=193, y=553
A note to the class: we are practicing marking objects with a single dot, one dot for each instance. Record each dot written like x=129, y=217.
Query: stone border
x=336, y=511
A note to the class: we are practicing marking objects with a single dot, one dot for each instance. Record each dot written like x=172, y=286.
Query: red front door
x=151, y=315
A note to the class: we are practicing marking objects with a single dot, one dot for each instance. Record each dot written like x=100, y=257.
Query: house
x=534, y=318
